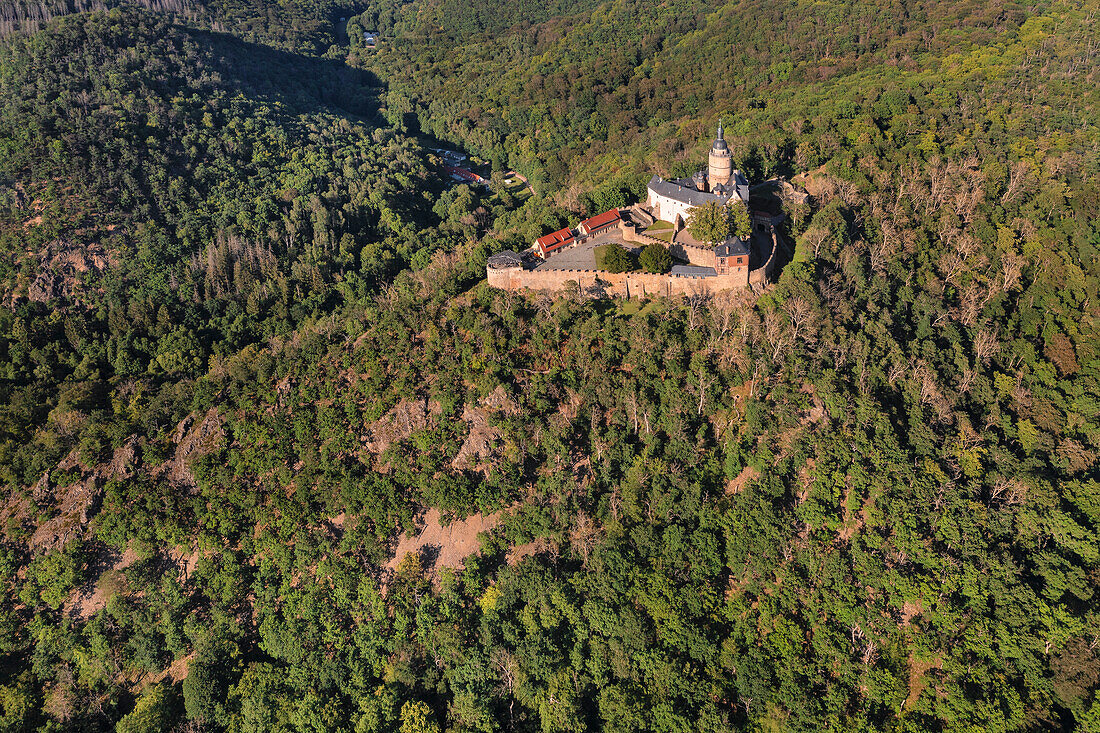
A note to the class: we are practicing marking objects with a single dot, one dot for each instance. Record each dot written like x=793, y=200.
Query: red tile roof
x=557, y=239
x=600, y=220
x=463, y=173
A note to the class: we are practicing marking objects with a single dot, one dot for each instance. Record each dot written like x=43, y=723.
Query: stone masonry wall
x=761, y=275
x=624, y=284
x=637, y=284
x=700, y=256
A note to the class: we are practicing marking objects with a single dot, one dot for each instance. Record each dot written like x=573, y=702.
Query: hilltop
x=276, y=458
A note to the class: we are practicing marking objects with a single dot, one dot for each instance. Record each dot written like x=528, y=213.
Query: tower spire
x=719, y=166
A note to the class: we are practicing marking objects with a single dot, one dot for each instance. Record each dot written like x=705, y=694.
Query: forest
x=249, y=357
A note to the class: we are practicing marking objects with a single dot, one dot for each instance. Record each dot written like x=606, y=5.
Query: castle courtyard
x=575, y=256
x=583, y=256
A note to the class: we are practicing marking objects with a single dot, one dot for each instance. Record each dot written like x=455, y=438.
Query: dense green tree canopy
x=247, y=345
x=740, y=220
x=711, y=222
x=655, y=258
x=615, y=258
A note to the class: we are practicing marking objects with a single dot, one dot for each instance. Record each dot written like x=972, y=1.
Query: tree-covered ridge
x=866, y=501
x=304, y=27
x=708, y=558
x=189, y=194
x=822, y=72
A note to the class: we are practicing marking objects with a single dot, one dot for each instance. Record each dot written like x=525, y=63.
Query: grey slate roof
x=732, y=247
x=684, y=190
x=505, y=258
x=692, y=271
x=741, y=184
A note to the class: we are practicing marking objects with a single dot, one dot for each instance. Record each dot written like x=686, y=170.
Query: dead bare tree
x=704, y=382
x=970, y=304
x=815, y=238
x=633, y=402
x=507, y=669
x=897, y=371
x=966, y=380
x=776, y=334
x=883, y=249
x=801, y=314
x=723, y=309
x=696, y=303
x=585, y=536
x=1008, y=492
x=388, y=295
x=986, y=344
x=748, y=326
x=1012, y=268
x=1018, y=181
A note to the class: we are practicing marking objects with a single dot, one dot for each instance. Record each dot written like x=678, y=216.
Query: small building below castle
x=565, y=238
x=731, y=255
x=599, y=223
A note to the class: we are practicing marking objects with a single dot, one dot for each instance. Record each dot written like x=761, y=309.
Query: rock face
x=60, y=267
x=192, y=437
x=478, y=445
x=482, y=444
x=795, y=195
x=71, y=493
x=406, y=417
x=74, y=504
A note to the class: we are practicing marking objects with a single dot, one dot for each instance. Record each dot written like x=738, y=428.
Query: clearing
x=444, y=546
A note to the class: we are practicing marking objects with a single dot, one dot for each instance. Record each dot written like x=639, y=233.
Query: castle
x=720, y=183
x=568, y=257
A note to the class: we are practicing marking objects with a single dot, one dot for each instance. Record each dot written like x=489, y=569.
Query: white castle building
x=721, y=183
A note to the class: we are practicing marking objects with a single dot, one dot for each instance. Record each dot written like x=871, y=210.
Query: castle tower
x=720, y=165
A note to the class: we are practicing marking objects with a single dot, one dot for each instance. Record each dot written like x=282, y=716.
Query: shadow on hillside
x=216, y=62
x=303, y=83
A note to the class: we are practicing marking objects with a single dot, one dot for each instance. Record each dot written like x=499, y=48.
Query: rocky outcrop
x=72, y=505
x=61, y=267
x=406, y=418
x=193, y=437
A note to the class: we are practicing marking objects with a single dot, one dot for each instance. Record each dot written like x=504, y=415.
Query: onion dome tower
x=719, y=164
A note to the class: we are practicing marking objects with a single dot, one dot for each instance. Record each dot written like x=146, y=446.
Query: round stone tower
x=720, y=165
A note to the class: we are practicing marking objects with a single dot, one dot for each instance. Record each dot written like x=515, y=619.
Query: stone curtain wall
x=761, y=275
x=624, y=284
x=701, y=256
x=638, y=284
